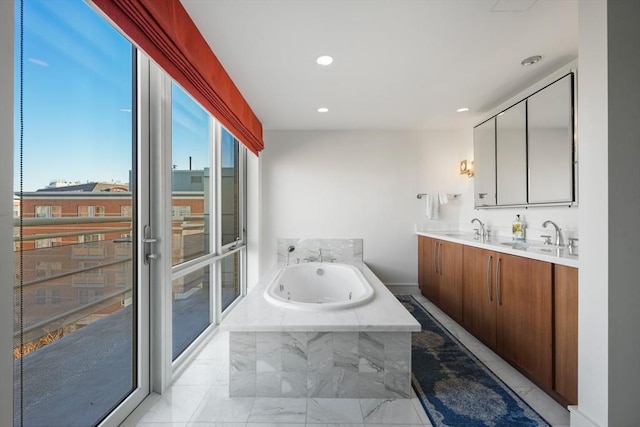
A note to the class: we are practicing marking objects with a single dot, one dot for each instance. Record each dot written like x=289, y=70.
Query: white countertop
x=383, y=314
x=534, y=250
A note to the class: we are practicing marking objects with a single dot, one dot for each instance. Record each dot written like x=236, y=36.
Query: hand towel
x=443, y=198
x=432, y=206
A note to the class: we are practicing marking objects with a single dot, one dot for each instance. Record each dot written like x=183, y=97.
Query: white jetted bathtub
x=319, y=286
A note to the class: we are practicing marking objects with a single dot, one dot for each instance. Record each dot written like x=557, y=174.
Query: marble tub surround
x=320, y=364
x=358, y=352
x=343, y=251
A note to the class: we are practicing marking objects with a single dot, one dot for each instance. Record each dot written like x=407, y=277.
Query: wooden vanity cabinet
x=479, y=306
x=507, y=304
x=427, y=278
x=566, y=332
x=524, y=317
x=440, y=274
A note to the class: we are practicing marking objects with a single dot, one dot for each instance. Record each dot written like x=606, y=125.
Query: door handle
x=148, y=242
x=489, y=260
x=435, y=256
x=498, y=296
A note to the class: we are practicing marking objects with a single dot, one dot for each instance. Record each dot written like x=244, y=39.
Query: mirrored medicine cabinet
x=525, y=155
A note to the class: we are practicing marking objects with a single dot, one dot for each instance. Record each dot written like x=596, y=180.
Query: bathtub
x=319, y=287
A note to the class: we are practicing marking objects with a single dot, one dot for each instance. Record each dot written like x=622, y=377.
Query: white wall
x=253, y=219
x=623, y=75
x=593, y=309
x=357, y=184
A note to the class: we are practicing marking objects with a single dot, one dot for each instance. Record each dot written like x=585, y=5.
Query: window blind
x=166, y=33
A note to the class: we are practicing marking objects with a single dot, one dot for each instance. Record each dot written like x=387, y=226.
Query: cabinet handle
x=489, y=260
x=435, y=256
x=440, y=259
x=498, y=282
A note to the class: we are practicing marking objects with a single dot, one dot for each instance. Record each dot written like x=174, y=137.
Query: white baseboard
x=578, y=419
x=403, y=288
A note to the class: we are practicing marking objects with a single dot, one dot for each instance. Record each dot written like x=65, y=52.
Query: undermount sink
x=517, y=245
x=537, y=246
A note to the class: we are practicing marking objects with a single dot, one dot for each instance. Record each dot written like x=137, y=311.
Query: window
x=230, y=188
x=90, y=211
x=48, y=243
x=78, y=125
x=47, y=296
x=89, y=238
x=191, y=142
x=178, y=212
x=191, y=158
x=48, y=268
x=48, y=212
x=126, y=211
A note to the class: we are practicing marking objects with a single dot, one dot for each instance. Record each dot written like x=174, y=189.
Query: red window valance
x=166, y=33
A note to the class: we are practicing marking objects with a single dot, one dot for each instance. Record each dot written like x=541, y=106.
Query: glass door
x=81, y=236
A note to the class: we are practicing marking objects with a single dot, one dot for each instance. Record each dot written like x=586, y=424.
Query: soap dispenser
x=517, y=229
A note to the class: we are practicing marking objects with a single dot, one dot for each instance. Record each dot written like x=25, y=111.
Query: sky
x=77, y=100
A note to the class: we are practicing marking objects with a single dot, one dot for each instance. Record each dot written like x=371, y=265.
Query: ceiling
x=398, y=64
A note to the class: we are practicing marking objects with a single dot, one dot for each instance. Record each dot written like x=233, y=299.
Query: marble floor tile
x=176, y=404
x=272, y=425
x=548, y=408
x=320, y=410
x=204, y=372
x=217, y=406
x=334, y=425
x=199, y=397
x=160, y=424
x=278, y=410
x=389, y=411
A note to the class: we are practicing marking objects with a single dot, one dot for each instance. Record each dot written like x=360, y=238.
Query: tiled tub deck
x=361, y=352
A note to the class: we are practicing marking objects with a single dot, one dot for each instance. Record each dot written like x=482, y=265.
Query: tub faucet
x=558, y=239
x=481, y=227
x=289, y=250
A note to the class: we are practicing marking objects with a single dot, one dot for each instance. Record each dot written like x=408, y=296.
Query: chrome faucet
x=320, y=251
x=558, y=239
x=289, y=250
x=481, y=227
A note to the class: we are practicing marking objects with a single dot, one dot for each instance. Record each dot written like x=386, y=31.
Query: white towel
x=443, y=198
x=432, y=205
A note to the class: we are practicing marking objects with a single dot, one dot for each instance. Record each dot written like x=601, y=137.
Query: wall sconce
x=466, y=168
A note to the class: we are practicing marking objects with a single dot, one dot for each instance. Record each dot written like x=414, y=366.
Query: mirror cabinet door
x=484, y=149
x=550, y=150
x=511, y=155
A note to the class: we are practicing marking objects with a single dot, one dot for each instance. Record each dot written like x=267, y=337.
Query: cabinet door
x=478, y=297
x=421, y=266
x=566, y=332
x=511, y=155
x=484, y=152
x=429, y=286
x=524, y=315
x=450, y=283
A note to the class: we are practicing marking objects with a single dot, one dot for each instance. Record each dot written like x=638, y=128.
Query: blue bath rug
x=454, y=387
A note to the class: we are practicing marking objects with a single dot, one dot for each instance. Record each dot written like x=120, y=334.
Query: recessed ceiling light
x=462, y=110
x=324, y=60
x=323, y=110
x=531, y=60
